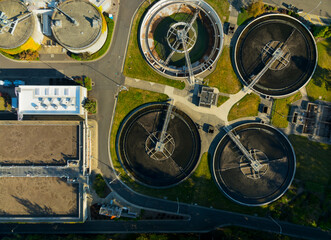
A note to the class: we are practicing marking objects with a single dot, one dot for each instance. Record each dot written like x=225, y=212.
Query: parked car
x=297, y=10
x=18, y=82
x=292, y=8
x=7, y=83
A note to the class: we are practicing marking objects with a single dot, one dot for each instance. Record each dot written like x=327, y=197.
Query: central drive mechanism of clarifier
x=178, y=33
x=248, y=170
x=157, y=150
x=282, y=60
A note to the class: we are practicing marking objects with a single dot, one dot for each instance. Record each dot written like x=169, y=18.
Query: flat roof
x=38, y=197
x=82, y=34
x=38, y=143
x=14, y=9
x=51, y=100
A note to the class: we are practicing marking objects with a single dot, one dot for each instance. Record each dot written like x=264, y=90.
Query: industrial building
x=313, y=120
x=48, y=159
x=50, y=100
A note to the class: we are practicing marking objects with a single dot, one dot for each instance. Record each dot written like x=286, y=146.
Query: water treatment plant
x=178, y=115
x=181, y=39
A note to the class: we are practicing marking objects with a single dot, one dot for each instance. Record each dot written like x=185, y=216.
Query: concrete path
x=40, y=171
x=184, y=98
x=304, y=94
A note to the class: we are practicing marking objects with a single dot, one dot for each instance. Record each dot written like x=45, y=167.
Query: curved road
x=107, y=74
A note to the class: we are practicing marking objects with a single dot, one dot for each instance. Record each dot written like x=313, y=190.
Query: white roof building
x=50, y=100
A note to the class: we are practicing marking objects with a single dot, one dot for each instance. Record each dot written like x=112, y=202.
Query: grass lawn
x=317, y=88
x=312, y=205
x=127, y=101
x=135, y=65
x=224, y=78
x=246, y=107
x=318, y=92
x=221, y=99
x=199, y=188
x=324, y=53
x=103, y=49
x=3, y=106
x=242, y=17
x=281, y=109
x=99, y=185
x=312, y=157
x=221, y=7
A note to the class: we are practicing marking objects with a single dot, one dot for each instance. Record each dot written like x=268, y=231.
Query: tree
x=256, y=8
x=152, y=237
x=321, y=31
x=90, y=106
x=99, y=185
x=88, y=83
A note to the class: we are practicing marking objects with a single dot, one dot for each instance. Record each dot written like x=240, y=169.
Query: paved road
x=202, y=220
x=317, y=7
x=107, y=75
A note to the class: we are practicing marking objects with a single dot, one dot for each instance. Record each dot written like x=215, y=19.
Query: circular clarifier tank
x=78, y=25
x=237, y=176
x=16, y=24
x=153, y=164
x=174, y=32
x=283, y=38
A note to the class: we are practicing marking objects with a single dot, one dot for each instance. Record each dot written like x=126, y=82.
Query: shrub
x=321, y=31
x=84, y=82
x=99, y=185
x=90, y=106
x=88, y=83
x=29, y=55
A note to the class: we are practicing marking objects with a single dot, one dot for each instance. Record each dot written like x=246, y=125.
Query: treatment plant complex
x=177, y=115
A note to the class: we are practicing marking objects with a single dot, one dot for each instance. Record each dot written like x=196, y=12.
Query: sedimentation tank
x=79, y=26
x=137, y=141
x=181, y=38
x=271, y=154
x=278, y=50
